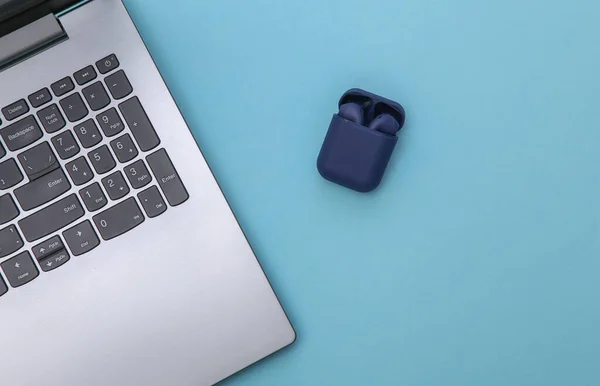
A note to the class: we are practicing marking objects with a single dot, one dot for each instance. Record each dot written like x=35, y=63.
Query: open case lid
x=15, y=14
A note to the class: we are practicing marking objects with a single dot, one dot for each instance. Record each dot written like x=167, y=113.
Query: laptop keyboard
x=37, y=175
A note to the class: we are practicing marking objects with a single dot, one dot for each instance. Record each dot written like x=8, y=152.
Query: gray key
x=40, y=97
x=62, y=87
x=15, y=110
x=2, y=151
x=65, y=145
x=74, y=107
x=96, y=96
x=20, y=269
x=51, y=218
x=10, y=241
x=167, y=177
x=110, y=122
x=124, y=148
x=88, y=133
x=93, y=197
x=48, y=247
x=152, y=202
x=8, y=209
x=81, y=238
x=22, y=133
x=102, y=160
x=3, y=287
x=118, y=85
x=107, y=64
x=85, y=75
x=51, y=118
x=56, y=260
x=42, y=190
x=38, y=160
x=80, y=171
x=138, y=175
x=115, y=186
x=119, y=219
x=139, y=124
x=10, y=174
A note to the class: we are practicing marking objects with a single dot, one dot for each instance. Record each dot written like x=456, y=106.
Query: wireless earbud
x=384, y=123
x=352, y=112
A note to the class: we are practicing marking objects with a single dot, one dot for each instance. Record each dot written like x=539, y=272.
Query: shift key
x=51, y=218
x=167, y=177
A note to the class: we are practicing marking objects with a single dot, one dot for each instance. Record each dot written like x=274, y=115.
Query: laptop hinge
x=30, y=39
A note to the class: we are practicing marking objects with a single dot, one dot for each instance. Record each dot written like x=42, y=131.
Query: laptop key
x=81, y=238
x=20, y=270
x=124, y=148
x=110, y=122
x=139, y=124
x=15, y=110
x=47, y=248
x=40, y=97
x=10, y=241
x=85, y=75
x=56, y=260
x=102, y=160
x=118, y=85
x=115, y=186
x=167, y=177
x=74, y=107
x=107, y=64
x=8, y=209
x=10, y=174
x=38, y=160
x=22, y=133
x=42, y=190
x=2, y=151
x=93, y=197
x=3, y=287
x=65, y=145
x=62, y=87
x=80, y=171
x=96, y=96
x=51, y=218
x=138, y=174
x=88, y=133
x=51, y=118
x=119, y=219
x=152, y=202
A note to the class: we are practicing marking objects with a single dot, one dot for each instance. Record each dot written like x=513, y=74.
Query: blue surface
x=477, y=260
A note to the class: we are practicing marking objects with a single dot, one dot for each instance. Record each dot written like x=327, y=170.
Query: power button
x=107, y=64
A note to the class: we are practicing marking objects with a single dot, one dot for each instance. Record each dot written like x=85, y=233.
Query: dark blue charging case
x=353, y=155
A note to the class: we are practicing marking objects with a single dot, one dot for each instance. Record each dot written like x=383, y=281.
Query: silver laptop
x=121, y=262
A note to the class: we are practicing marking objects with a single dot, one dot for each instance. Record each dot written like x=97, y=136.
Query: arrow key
x=81, y=238
x=20, y=269
x=47, y=248
x=54, y=261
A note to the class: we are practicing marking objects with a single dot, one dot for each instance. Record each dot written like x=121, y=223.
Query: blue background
x=477, y=260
